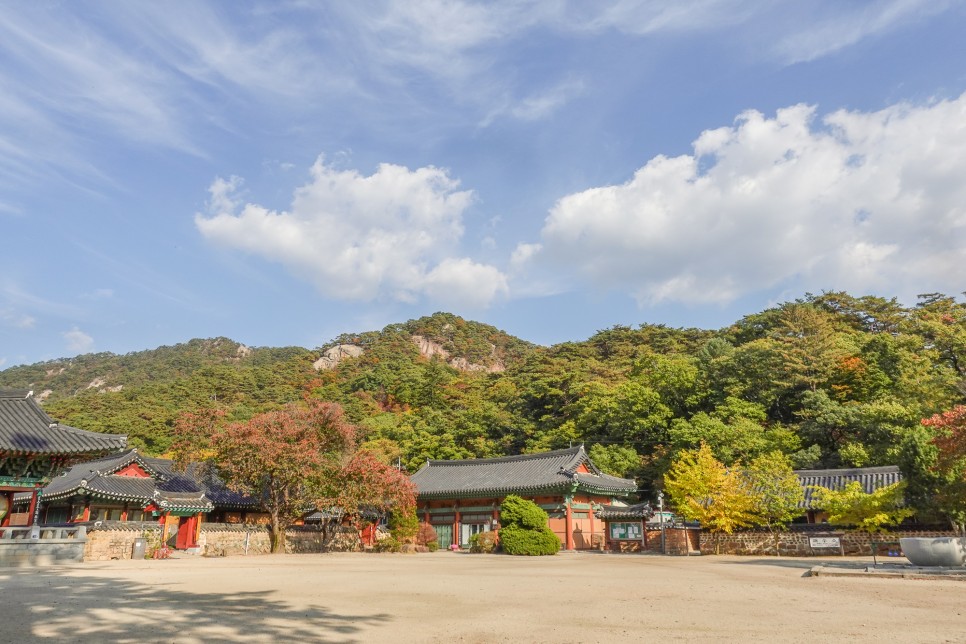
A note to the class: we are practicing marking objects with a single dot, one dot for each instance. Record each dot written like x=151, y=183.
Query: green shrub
x=388, y=544
x=525, y=530
x=433, y=546
x=523, y=513
x=521, y=541
x=483, y=542
x=404, y=525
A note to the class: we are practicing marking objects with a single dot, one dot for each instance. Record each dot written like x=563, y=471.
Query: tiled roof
x=639, y=511
x=167, y=488
x=871, y=478
x=26, y=429
x=554, y=471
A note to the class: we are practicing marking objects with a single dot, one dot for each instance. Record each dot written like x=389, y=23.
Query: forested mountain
x=831, y=380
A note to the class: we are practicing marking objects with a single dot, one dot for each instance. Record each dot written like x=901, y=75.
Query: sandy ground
x=448, y=596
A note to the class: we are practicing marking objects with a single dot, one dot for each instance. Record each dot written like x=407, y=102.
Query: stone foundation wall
x=796, y=543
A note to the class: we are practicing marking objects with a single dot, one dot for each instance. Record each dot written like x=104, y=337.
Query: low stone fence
x=116, y=539
x=808, y=541
x=38, y=546
x=228, y=539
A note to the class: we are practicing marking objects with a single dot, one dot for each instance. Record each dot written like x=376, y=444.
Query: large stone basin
x=934, y=551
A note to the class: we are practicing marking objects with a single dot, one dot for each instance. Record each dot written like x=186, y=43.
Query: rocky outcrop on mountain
x=430, y=348
x=333, y=356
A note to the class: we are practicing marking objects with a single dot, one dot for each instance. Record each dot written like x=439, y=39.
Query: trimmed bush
x=521, y=541
x=483, y=542
x=387, y=544
x=525, y=529
x=523, y=513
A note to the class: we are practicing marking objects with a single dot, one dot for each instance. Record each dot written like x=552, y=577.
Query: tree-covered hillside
x=830, y=380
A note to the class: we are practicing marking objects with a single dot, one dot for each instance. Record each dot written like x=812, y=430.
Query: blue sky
x=283, y=172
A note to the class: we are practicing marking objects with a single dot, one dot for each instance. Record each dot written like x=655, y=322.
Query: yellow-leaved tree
x=868, y=512
x=702, y=489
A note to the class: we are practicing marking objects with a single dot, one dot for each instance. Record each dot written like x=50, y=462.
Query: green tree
x=616, y=460
x=736, y=430
x=702, y=489
x=778, y=493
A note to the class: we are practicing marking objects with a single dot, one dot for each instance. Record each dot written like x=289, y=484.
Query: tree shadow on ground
x=44, y=604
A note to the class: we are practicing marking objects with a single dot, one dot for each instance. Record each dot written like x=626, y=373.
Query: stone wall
x=115, y=539
x=17, y=548
x=795, y=543
x=108, y=540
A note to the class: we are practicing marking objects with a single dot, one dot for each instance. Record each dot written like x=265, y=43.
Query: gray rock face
x=333, y=356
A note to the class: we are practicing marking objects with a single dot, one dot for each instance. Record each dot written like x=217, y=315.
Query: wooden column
x=32, y=511
x=569, y=523
x=456, y=525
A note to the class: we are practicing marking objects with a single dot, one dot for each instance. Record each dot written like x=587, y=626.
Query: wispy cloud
x=846, y=24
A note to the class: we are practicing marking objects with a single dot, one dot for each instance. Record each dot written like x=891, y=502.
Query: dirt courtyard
x=448, y=596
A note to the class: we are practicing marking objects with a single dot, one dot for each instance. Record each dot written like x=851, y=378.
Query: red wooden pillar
x=569, y=523
x=32, y=512
x=457, y=537
x=86, y=516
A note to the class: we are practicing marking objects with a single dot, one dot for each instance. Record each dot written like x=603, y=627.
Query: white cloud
x=869, y=202
x=16, y=319
x=78, y=341
x=387, y=235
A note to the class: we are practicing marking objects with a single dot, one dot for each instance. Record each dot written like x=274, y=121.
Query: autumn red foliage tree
x=293, y=460
x=950, y=441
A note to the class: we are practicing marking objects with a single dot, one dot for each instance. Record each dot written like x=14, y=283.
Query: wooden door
x=444, y=535
x=186, y=533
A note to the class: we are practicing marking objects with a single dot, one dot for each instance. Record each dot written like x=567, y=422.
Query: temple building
x=870, y=478
x=462, y=498
x=132, y=487
x=34, y=448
